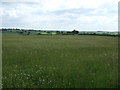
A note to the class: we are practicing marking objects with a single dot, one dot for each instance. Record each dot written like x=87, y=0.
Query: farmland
x=59, y=61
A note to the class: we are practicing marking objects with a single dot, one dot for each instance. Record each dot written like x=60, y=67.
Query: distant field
x=59, y=61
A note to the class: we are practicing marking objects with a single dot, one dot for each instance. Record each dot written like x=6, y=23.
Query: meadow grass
x=59, y=61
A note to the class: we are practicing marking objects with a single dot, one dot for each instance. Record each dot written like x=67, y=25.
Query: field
x=59, y=61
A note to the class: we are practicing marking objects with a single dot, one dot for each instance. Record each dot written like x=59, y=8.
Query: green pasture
x=59, y=61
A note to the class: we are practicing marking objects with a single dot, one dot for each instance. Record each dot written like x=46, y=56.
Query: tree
x=75, y=32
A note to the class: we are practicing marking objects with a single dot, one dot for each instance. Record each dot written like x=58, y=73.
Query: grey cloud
x=66, y=18
x=73, y=11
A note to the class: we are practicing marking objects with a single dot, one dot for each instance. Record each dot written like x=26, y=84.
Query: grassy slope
x=60, y=61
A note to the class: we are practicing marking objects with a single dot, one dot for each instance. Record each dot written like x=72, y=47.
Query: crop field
x=59, y=61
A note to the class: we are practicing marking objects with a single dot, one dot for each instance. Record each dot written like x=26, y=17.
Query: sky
x=90, y=15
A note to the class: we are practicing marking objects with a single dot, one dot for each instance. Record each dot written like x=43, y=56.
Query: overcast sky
x=60, y=14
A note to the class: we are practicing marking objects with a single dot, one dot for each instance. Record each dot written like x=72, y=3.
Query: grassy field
x=59, y=61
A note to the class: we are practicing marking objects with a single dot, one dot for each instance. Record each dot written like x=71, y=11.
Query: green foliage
x=45, y=32
x=60, y=61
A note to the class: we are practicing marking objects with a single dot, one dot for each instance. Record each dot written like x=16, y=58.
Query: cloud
x=60, y=14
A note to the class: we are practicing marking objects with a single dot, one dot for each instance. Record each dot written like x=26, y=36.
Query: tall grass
x=68, y=61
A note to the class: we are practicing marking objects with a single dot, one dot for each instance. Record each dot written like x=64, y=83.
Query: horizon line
x=63, y=29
